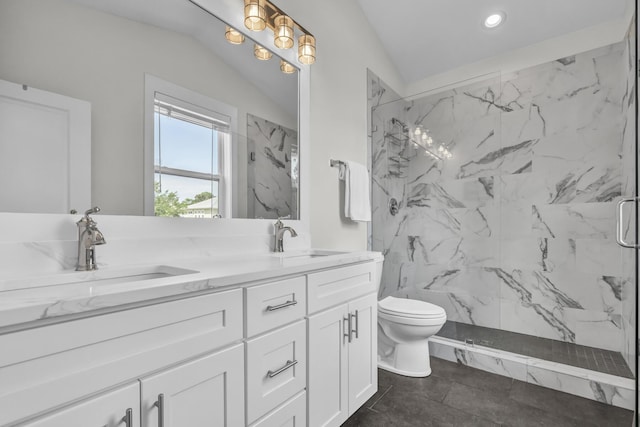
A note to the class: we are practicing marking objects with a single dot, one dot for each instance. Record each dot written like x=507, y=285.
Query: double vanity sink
x=265, y=339
x=54, y=297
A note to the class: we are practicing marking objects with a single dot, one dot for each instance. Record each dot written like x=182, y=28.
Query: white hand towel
x=357, y=205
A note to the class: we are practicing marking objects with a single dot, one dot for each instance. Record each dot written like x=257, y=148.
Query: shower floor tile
x=457, y=395
x=595, y=359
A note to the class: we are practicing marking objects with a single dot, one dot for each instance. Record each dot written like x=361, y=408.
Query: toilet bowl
x=404, y=328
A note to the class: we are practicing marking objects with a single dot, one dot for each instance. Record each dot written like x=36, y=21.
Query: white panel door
x=363, y=360
x=45, y=151
x=117, y=408
x=207, y=392
x=328, y=403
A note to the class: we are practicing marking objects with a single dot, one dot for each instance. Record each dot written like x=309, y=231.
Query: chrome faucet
x=88, y=237
x=279, y=230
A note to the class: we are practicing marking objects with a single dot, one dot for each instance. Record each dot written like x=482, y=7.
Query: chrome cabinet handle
x=357, y=323
x=283, y=305
x=619, y=225
x=289, y=364
x=128, y=418
x=347, y=323
x=160, y=405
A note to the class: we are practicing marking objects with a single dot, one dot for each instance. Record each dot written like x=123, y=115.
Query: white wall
x=346, y=47
x=69, y=49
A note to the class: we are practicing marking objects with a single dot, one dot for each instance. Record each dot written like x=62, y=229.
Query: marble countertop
x=33, y=301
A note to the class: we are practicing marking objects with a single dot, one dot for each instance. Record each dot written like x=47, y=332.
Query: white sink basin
x=104, y=277
x=307, y=254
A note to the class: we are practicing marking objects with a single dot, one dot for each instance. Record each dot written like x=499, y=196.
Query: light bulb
x=494, y=20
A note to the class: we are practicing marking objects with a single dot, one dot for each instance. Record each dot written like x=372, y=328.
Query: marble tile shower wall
x=271, y=169
x=517, y=230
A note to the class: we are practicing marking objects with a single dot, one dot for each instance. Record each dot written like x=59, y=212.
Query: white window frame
x=156, y=88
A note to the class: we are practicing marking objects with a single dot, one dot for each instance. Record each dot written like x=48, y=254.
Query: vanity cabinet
x=298, y=351
x=342, y=344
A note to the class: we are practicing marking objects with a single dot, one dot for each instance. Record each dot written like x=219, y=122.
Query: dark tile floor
x=595, y=359
x=458, y=396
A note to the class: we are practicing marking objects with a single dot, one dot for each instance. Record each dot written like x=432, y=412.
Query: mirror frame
x=232, y=13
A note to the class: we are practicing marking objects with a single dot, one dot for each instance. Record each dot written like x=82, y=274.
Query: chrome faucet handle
x=93, y=210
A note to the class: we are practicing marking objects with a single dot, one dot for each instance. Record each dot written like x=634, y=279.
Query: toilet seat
x=409, y=309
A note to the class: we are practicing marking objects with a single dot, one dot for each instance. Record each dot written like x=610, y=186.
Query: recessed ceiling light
x=494, y=20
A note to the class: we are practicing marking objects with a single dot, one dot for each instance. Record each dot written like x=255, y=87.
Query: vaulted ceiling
x=428, y=37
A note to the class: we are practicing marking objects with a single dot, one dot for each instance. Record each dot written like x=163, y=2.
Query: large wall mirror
x=221, y=127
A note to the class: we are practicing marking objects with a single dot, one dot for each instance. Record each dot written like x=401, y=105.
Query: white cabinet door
x=363, y=360
x=117, y=408
x=207, y=392
x=327, y=383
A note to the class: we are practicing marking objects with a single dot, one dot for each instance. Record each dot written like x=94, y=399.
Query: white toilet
x=404, y=327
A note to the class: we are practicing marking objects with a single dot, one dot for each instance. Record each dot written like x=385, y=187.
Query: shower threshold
x=593, y=359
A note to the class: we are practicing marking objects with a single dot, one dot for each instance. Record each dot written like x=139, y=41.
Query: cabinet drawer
x=276, y=368
x=332, y=287
x=293, y=413
x=275, y=304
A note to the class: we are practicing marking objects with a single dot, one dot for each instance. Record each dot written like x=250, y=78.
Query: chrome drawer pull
x=283, y=305
x=289, y=364
x=347, y=323
x=357, y=323
x=128, y=418
x=160, y=405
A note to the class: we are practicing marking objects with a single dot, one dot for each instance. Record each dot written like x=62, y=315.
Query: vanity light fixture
x=307, y=49
x=260, y=14
x=255, y=15
x=233, y=36
x=494, y=20
x=283, y=32
x=261, y=53
x=287, y=68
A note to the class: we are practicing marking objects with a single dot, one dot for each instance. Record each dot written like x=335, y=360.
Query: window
x=191, y=165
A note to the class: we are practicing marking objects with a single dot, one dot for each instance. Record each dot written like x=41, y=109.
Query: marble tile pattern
x=629, y=184
x=598, y=386
x=271, y=170
x=517, y=230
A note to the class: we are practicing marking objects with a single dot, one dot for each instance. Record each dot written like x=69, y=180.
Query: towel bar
x=335, y=163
